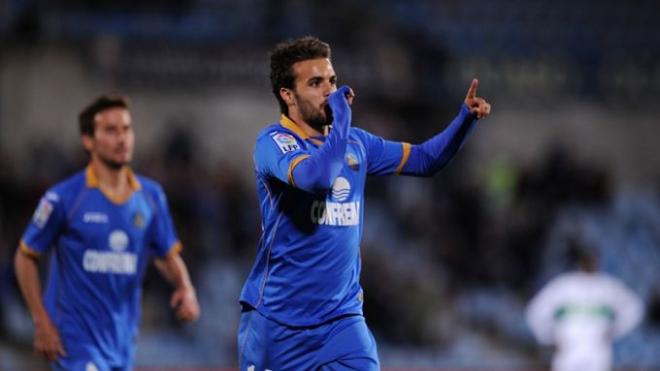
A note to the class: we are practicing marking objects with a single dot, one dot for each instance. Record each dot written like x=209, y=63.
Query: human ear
x=288, y=96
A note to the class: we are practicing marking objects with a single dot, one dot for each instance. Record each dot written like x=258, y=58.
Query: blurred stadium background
x=571, y=151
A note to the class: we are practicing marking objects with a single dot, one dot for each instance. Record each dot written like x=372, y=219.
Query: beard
x=112, y=164
x=314, y=117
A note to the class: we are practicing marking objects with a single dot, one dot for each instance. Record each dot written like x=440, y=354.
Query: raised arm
x=317, y=172
x=427, y=158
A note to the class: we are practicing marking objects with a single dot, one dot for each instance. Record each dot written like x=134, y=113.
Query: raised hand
x=339, y=103
x=477, y=105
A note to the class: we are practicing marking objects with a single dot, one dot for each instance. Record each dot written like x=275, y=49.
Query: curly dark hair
x=102, y=103
x=285, y=55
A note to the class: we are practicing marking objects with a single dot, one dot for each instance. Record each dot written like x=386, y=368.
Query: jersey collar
x=92, y=181
x=289, y=124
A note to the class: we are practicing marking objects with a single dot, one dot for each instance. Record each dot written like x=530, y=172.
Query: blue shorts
x=87, y=358
x=341, y=344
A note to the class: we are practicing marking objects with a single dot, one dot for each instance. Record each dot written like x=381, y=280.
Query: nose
x=122, y=134
x=329, y=89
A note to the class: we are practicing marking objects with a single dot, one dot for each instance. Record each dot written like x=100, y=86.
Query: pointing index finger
x=472, y=91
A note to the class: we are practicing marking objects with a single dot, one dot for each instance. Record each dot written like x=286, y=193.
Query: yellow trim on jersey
x=292, y=166
x=289, y=124
x=316, y=141
x=404, y=158
x=27, y=250
x=92, y=181
x=175, y=249
x=133, y=181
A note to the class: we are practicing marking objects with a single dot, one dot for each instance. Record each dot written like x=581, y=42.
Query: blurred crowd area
x=449, y=262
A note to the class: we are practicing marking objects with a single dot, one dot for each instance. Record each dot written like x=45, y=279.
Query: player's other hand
x=47, y=341
x=184, y=302
x=477, y=105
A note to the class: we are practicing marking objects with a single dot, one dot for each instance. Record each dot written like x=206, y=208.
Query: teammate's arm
x=47, y=341
x=427, y=158
x=317, y=172
x=184, y=298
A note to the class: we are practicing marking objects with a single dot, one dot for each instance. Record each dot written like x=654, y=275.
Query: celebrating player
x=102, y=224
x=302, y=302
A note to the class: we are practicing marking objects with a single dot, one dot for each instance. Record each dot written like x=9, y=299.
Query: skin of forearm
x=174, y=271
x=27, y=274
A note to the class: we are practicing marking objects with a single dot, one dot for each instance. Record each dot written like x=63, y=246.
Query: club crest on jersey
x=138, y=220
x=286, y=142
x=42, y=214
x=352, y=162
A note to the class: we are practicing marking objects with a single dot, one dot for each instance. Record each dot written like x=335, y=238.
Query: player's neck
x=112, y=180
x=304, y=126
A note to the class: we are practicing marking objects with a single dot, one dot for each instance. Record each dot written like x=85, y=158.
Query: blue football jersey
x=307, y=267
x=99, y=248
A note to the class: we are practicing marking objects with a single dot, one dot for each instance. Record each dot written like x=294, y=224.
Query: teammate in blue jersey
x=101, y=226
x=302, y=302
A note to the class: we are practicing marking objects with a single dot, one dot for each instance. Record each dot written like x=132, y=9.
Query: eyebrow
x=320, y=78
x=113, y=123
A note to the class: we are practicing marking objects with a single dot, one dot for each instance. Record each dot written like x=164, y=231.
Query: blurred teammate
x=103, y=224
x=581, y=313
x=302, y=302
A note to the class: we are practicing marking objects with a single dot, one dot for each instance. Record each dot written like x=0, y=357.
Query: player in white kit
x=581, y=313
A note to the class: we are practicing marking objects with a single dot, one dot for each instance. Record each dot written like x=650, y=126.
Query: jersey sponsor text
x=336, y=213
x=109, y=262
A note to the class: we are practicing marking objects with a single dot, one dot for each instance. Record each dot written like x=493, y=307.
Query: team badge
x=138, y=220
x=286, y=142
x=352, y=162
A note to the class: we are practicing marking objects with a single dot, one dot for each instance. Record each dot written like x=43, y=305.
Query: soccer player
x=102, y=226
x=581, y=313
x=302, y=301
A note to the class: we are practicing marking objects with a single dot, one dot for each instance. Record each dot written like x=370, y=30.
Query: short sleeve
x=45, y=226
x=383, y=156
x=277, y=153
x=164, y=240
